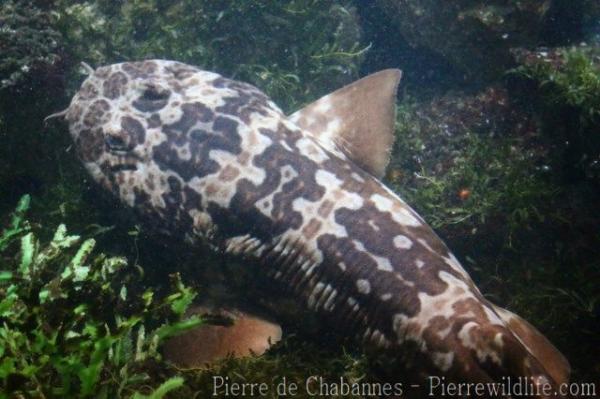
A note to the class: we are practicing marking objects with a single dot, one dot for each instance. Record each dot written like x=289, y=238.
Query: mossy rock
x=291, y=50
x=475, y=36
x=563, y=85
x=28, y=42
x=471, y=165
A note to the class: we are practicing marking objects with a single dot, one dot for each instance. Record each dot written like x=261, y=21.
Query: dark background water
x=497, y=135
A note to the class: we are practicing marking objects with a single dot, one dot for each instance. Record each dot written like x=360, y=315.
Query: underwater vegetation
x=72, y=326
x=567, y=81
x=468, y=171
x=507, y=171
x=28, y=43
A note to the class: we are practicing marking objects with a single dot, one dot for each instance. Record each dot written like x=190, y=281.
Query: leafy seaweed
x=18, y=224
x=60, y=335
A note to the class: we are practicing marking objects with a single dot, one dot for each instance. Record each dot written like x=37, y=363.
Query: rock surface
x=475, y=36
x=591, y=20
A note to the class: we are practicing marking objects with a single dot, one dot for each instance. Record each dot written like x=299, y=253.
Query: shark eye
x=115, y=143
x=155, y=94
x=152, y=99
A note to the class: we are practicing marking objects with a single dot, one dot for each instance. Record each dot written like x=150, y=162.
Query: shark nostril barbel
x=299, y=197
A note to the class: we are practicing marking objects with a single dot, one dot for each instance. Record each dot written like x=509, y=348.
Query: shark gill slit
x=287, y=260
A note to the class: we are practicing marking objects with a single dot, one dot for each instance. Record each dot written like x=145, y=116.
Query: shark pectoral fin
x=357, y=120
x=243, y=335
x=554, y=362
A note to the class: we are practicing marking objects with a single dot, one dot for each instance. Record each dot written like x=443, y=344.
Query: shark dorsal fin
x=357, y=119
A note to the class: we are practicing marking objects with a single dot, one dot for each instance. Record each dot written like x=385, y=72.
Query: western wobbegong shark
x=215, y=160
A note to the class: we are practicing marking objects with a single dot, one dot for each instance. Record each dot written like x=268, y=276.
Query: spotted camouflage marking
x=215, y=159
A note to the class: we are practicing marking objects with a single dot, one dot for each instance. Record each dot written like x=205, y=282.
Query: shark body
x=217, y=161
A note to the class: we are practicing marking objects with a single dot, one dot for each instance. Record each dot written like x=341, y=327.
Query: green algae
x=69, y=328
x=570, y=77
x=463, y=180
x=567, y=96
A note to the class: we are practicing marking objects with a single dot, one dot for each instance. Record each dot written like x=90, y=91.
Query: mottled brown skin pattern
x=214, y=159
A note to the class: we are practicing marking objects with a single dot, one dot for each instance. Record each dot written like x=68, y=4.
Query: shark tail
x=554, y=362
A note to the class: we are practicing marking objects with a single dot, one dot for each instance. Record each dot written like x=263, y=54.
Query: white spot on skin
x=311, y=150
x=327, y=179
x=455, y=265
x=333, y=127
x=498, y=340
x=312, y=298
x=324, y=295
x=324, y=105
x=359, y=246
x=444, y=333
x=426, y=245
x=382, y=203
x=465, y=336
x=443, y=360
x=284, y=145
x=203, y=224
x=363, y=286
x=379, y=339
x=492, y=317
x=483, y=352
x=265, y=206
x=383, y=263
x=309, y=266
x=342, y=266
x=398, y=325
x=357, y=177
x=401, y=214
x=433, y=306
x=184, y=152
x=406, y=217
x=386, y=297
x=367, y=334
x=353, y=303
x=419, y=263
x=127, y=195
x=373, y=225
x=329, y=304
x=402, y=242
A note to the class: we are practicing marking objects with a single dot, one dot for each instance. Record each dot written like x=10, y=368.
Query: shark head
x=123, y=112
x=300, y=195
